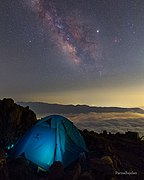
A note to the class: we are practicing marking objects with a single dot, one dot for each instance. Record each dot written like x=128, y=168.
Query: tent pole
x=55, y=140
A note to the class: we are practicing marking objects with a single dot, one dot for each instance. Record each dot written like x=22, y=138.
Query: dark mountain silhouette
x=45, y=108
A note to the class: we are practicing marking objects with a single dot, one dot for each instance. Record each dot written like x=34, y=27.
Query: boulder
x=3, y=166
x=86, y=176
x=3, y=169
x=107, y=160
x=74, y=173
x=56, y=171
x=14, y=121
x=102, y=168
x=19, y=169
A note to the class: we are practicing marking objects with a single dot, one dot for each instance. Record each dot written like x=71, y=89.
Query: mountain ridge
x=43, y=108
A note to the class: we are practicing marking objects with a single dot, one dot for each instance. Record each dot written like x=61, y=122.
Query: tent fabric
x=53, y=138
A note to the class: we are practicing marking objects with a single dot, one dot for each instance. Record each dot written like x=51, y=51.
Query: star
x=71, y=36
x=117, y=40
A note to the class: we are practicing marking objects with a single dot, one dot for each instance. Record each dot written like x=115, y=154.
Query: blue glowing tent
x=53, y=138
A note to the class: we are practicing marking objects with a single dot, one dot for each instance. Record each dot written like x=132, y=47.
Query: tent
x=53, y=138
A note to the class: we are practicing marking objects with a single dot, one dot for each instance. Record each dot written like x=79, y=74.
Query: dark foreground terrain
x=110, y=157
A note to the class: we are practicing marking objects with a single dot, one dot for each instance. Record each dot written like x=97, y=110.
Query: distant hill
x=45, y=108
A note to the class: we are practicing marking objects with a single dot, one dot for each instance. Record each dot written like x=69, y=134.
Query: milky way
x=70, y=35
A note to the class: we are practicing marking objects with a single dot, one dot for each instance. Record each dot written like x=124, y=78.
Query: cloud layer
x=111, y=122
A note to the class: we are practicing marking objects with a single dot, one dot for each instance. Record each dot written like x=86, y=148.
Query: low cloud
x=111, y=122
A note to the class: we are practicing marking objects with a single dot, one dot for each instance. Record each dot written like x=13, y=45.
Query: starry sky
x=73, y=52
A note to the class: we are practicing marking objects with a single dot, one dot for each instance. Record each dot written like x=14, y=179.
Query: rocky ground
x=14, y=121
x=110, y=157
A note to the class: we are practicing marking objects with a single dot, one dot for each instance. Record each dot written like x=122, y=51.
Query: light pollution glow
x=128, y=97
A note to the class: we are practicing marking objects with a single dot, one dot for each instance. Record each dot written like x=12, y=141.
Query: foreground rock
x=3, y=166
x=14, y=121
x=115, y=156
x=110, y=157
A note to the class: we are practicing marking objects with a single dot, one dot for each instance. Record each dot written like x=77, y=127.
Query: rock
x=3, y=169
x=19, y=169
x=107, y=160
x=8, y=102
x=14, y=121
x=102, y=168
x=3, y=166
x=86, y=176
x=74, y=173
x=56, y=170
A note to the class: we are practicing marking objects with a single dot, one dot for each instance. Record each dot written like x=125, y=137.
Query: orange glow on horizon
x=132, y=97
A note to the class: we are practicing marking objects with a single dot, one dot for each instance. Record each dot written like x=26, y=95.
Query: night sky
x=73, y=51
